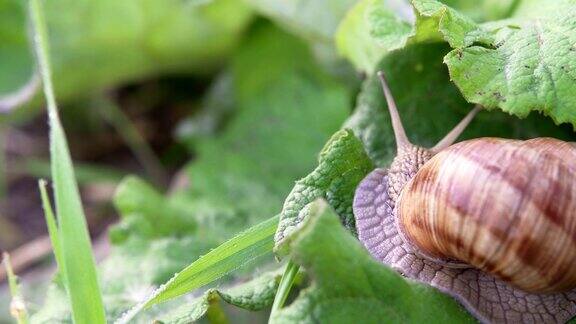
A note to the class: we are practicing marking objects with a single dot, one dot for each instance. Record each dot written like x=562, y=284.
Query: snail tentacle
x=399, y=132
x=453, y=135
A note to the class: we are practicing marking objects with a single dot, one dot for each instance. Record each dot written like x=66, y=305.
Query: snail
x=490, y=221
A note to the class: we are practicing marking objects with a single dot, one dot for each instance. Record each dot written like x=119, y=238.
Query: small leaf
x=355, y=38
x=341, y=166
x=147, y=212
x=348, y=284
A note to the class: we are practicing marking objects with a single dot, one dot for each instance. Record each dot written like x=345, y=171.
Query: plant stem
x=284, y=287
x=17, y=306
x=3, y=169
x=138, y=145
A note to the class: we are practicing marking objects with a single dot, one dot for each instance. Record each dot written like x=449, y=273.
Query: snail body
x=490, y=221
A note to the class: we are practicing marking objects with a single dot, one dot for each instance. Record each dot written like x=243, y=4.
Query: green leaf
x=357, y=39
x=285, y=285
x=229, y=256
x=530, y=69
x=98, y=44
x=430, y=105
x=348, y=284
x=253, y=295
x=315, y=21
x=147, y=212
x=341, y=166
x=75, y=248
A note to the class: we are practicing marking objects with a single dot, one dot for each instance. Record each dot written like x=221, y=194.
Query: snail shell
x=506, y=207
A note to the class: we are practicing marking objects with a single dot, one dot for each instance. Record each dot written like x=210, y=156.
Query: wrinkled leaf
x=341, y=165
x=529, y=69
x=348, y=284
x=382, y=28
x=518, y=65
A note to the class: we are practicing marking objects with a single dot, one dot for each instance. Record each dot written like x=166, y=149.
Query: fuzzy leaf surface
x=341, y=165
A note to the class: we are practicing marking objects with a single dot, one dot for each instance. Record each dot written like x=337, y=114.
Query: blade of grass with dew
x=17, y=305
x=232, y=254
x=51, y=223
x=284, y=286
x=75, y=246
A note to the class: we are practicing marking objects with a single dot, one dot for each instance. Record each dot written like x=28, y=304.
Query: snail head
x=409, y=157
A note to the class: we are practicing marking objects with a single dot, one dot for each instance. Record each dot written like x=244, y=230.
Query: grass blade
x=232, y=254
x=17, y=305
x=52, y=225
x=75, y=248
x=135, y=141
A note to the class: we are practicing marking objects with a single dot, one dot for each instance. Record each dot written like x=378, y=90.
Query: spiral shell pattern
x=506, y=207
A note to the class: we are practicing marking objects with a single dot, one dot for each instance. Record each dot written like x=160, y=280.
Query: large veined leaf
x=529, y=68
x=521, y=64
x=348, y=284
